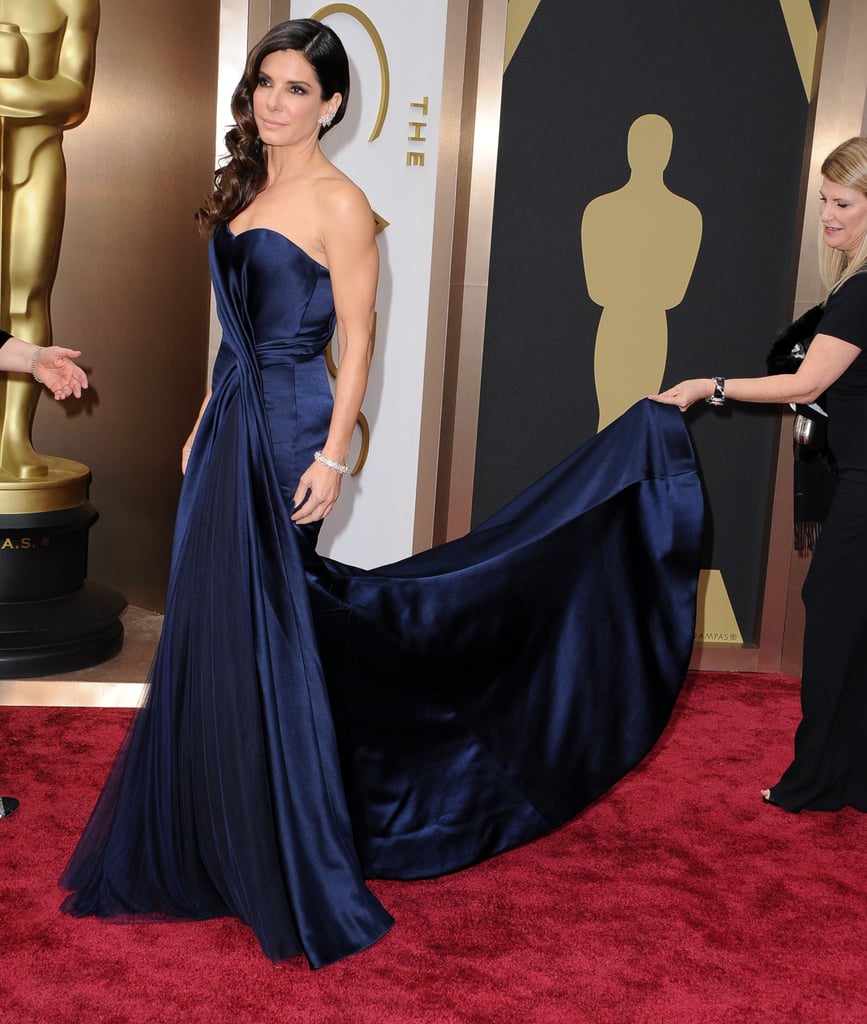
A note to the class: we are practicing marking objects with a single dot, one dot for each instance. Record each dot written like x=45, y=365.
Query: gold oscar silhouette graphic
x=50, y=618
x=640, y=245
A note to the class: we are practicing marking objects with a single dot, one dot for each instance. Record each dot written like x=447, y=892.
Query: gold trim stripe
x=804, y=36
x=517, y=21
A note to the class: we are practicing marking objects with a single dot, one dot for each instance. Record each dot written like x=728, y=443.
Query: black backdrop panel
x=723, y=73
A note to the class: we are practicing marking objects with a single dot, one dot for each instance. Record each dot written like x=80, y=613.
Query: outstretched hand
x=54, y=367
x=685, y=394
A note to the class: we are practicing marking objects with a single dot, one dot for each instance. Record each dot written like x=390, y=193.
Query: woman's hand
x=53, y=367
x=317, y=493
x=686, y=393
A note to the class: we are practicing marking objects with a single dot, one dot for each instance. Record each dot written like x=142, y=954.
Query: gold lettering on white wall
x=414, y=157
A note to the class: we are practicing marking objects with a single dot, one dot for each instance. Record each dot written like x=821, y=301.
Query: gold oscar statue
x=51, y=618
x=640, y=245
x=47, y=50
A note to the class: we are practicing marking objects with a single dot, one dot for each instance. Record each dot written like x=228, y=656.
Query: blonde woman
x=829, y=770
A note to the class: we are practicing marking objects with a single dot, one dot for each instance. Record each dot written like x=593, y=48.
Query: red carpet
x=678, y=898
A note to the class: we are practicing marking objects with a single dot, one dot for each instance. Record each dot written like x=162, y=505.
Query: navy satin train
x=311, y=724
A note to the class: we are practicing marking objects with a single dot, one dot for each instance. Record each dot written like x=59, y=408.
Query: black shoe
x=7, y=805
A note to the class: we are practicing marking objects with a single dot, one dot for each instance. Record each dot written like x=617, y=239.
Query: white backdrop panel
x=373, y=522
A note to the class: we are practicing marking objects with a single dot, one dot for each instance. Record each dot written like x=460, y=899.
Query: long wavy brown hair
x=242, y=176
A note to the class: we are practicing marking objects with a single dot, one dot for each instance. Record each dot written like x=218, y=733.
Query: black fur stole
x=815, y=470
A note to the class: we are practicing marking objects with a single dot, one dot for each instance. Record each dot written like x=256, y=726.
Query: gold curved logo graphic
x=376, y=39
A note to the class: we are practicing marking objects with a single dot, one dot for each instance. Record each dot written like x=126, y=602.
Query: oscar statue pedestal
x=52, y=619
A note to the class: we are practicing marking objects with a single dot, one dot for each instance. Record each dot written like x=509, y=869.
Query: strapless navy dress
x=309, y=724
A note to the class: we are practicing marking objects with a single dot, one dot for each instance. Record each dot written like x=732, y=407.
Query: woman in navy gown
x=829, y=769
x=309, y=724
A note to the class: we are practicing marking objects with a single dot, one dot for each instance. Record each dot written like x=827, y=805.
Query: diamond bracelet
x=338, y=467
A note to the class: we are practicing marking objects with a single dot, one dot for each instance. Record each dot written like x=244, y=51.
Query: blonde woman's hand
x=685, y=394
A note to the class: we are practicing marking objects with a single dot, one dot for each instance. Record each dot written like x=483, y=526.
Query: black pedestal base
x=52, y=620
x=44, y=638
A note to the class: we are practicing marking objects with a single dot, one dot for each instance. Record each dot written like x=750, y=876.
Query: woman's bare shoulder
x=340, y=196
